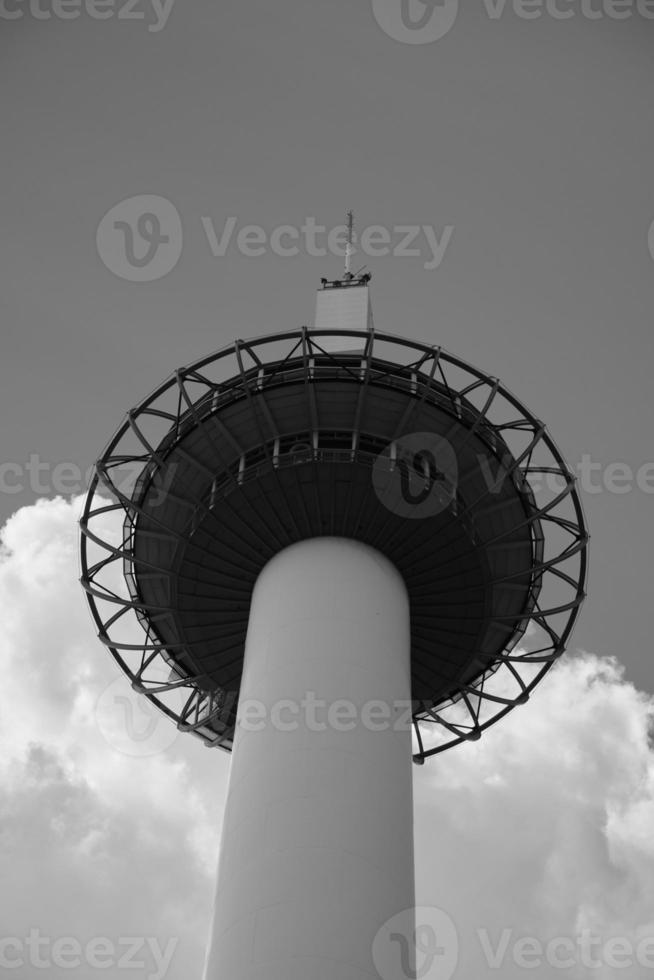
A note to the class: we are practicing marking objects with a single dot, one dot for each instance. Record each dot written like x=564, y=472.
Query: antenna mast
x=349, y=247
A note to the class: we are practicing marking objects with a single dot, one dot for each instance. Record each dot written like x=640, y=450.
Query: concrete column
x=317, y=846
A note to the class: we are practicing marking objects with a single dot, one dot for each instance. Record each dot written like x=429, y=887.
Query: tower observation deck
x=338, y=434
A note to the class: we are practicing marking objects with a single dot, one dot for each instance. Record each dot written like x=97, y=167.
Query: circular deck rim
x=474, y=708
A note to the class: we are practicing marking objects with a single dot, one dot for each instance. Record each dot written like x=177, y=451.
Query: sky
x=511, y=141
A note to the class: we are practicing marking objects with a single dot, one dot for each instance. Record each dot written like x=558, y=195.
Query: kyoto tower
x=333, y=551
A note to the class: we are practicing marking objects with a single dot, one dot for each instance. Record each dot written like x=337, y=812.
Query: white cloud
x=99, y=843
x=544, y=827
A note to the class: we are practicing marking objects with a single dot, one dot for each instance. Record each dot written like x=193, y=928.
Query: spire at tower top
x=344, y=304
x=349, y=245
x=349, y=278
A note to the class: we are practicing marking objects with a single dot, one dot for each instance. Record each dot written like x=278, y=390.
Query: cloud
x=100, y=843
x=542, y=829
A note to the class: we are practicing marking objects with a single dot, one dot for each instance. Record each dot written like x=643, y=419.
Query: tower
x=343, y=549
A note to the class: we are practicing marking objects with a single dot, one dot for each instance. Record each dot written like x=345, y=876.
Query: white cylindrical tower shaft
x=317, y=845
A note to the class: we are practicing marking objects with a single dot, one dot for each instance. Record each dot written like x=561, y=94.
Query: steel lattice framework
x=284, y=437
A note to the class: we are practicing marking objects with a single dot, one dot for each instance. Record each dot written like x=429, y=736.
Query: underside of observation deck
x=301, y=442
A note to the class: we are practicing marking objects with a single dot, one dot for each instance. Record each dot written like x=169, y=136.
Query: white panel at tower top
x=344, y=308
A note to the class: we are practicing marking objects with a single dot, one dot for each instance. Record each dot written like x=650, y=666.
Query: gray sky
x=530, y=139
